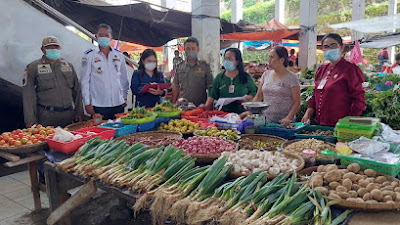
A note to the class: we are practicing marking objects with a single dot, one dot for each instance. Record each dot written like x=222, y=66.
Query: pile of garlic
x=250, y=161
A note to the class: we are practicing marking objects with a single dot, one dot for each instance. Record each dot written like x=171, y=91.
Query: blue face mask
x=52, y=54
x=332, y=55
x=229, y=65
x=191, y=55
x=104, y=41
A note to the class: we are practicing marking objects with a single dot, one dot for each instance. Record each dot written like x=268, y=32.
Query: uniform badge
x=99, y=70
x=97, y=59
x=44, y=69
x=116, y=58
x=199, y=70
x=335, y=76
x=25, y=78
x=84, y=62
x=66, y=68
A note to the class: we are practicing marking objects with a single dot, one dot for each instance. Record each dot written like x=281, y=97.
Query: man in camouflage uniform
x=193, y=77
x=51, y=91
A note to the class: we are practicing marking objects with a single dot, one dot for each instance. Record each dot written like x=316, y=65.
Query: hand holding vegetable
x=285, y=121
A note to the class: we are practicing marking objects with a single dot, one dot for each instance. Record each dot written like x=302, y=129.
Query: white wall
x=23, y=28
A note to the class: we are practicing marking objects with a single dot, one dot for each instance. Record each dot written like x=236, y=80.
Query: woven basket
x=361, y=206
x=154, y=134
x=195, y=133
x=85, y=124
x=259, y=137
x=318, y=160
x=269, y=176
x=205, y=159
x=209, y=159
x=23, y=149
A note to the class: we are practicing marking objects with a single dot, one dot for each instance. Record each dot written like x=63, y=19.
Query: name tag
x=231, y=89
x=44, y=69
x=322, y=84
x=66, y=68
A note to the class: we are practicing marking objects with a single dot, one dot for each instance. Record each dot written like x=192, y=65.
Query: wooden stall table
x=15, y=159
x=61, y=204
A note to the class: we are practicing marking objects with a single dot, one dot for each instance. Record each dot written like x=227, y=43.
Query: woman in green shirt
x=232, y=82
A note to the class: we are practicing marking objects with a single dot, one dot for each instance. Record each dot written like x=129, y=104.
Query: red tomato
x=11, y=142
x=17, y=143
x=14, y=132
x=6, y=138
x=29, y=142
x=35, y=140
x=21, y=135
x=2, y=142
x=15, y=136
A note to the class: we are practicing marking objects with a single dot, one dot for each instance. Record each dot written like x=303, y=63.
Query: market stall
x=184, y=163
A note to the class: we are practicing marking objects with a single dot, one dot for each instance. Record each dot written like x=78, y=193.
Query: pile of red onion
x=204, y=145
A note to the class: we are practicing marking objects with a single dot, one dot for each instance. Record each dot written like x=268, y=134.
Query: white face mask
x=150, y=66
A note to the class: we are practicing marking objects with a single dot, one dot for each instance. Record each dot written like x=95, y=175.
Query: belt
x=55, y=109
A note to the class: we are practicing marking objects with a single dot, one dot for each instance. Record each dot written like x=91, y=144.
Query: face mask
x=191, y=55
x=103, y=41
x=332, y=54
x=150, y=66
x=229, y=65
x=52, y=54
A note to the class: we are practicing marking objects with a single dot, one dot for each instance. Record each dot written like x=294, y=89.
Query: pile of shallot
x=204, y=145
x=250, y=161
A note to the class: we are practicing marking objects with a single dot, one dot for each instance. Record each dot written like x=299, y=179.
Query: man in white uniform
x=104, y=80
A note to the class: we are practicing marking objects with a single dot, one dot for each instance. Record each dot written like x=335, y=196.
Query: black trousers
x=109, y=112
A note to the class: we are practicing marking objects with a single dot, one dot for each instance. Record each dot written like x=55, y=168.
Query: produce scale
x=256, y=109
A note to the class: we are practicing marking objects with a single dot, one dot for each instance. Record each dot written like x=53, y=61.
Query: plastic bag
x=389, y=135
x=367, y=146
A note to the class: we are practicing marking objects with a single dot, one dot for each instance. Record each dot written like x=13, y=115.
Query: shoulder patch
x=89, y=51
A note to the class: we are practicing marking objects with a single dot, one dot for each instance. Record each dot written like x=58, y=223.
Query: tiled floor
x=16, y=198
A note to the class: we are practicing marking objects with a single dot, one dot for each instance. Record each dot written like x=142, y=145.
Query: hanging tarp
x=137, y=23
x=382, y=41
x=372, y=25
x=271, y=31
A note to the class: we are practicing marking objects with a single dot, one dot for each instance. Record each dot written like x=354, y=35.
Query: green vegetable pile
x=173, y=187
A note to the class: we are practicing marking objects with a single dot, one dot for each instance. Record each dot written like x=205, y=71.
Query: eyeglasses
x=331, y=46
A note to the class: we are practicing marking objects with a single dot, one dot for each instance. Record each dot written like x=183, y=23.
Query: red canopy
x=272, y=30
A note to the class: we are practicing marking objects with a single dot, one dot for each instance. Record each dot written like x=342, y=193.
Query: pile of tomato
x=27, y=136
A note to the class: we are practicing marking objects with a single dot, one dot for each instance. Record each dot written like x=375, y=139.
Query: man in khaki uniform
x=193, y=77
x=51, y=91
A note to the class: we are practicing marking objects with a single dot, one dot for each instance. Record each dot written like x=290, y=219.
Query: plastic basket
x=102, y=132
x=347, y=131
x=169, y=114
x=146, y=126
x=120, y=128
x=271, y=129
x=68, y=147
x=138, y=121
x=381, y=167
x=318, y=137
x=160, y=120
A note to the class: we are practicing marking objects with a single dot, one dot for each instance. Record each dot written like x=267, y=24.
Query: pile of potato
x=352, y=184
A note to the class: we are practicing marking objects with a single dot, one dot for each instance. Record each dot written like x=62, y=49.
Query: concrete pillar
x=236, y=16
x=168, y=50
x=391, y=11
x=206, y=28
x=357, y=13
x=237, y=10
x=280, y=11
x=308, y=35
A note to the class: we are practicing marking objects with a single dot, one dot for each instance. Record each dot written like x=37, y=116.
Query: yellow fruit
x=196, y=125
